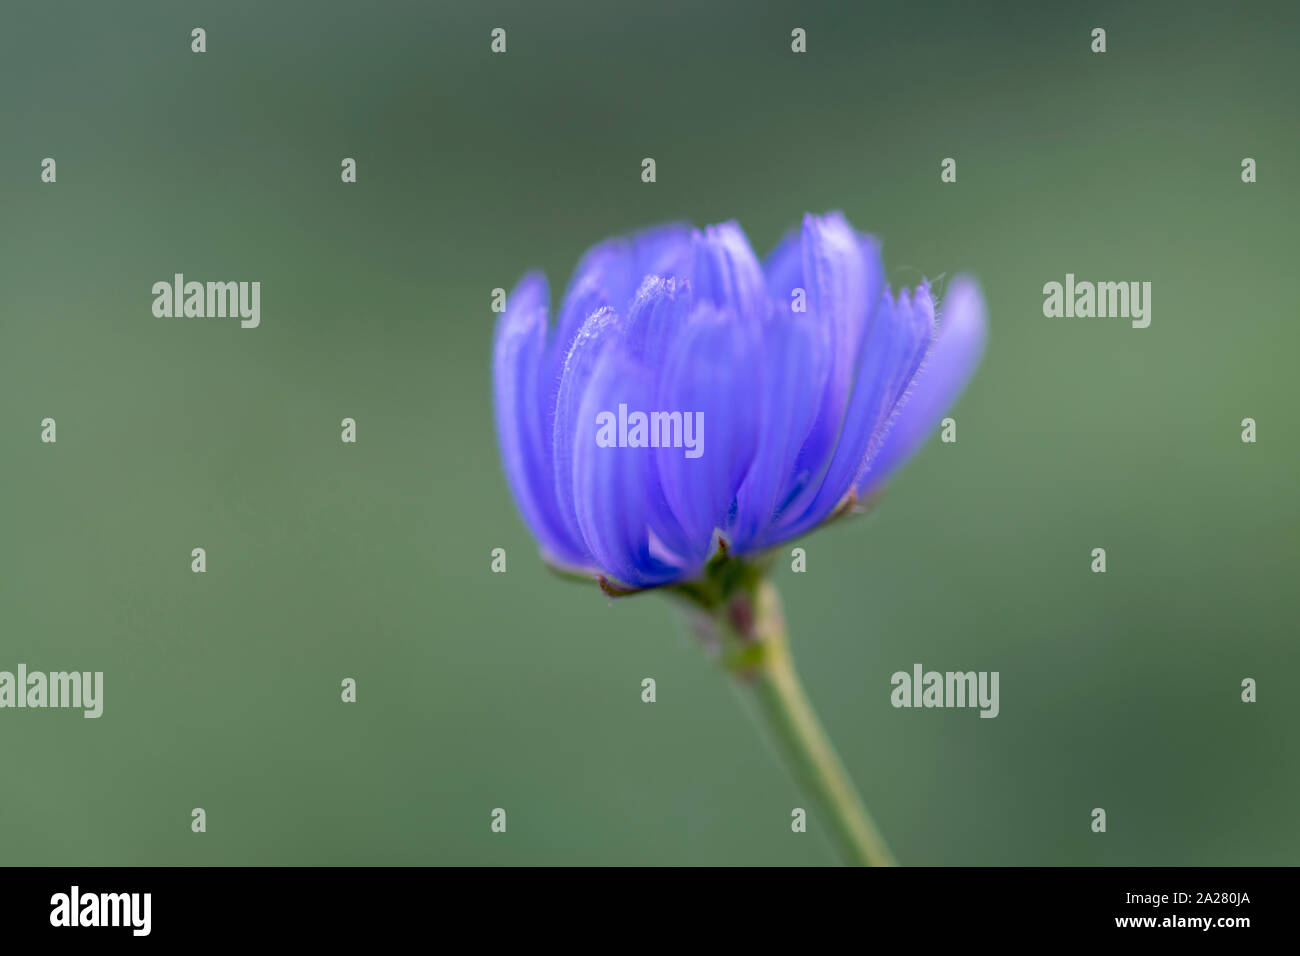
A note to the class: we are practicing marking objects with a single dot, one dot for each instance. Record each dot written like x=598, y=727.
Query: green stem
x=760, y=659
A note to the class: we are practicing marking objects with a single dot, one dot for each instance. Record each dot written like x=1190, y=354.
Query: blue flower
x=810, y=379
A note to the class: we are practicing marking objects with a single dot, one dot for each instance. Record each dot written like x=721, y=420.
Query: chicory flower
x=689, y=398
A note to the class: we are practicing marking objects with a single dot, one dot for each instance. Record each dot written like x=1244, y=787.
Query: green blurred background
x=480, y=690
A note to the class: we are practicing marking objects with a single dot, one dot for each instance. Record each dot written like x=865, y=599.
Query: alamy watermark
x=651, y=430
x=74, y=909
x=1086, y=300
x=208, y=300
x=950, y=689
x=59, y=689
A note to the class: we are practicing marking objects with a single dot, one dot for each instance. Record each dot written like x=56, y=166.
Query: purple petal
x=943, y=374
x=844, y=280
x=899, y=335
x=517, y=361
x=658, y=312
x=600, y=333
x=707, y=374
x=611, y=483
x=610, y=275
x=795, y=365
x=727, y=273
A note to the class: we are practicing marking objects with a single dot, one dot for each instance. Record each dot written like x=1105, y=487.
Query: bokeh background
x=521, y=691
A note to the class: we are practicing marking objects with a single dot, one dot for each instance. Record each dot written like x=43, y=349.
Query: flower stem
x=771, y=688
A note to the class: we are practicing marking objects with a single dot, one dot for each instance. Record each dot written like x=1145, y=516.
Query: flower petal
x=610, y=274
x=659, y=311
x=600, y=333
x=727, y=273
x=709, y=371
x=899, y=335
x=517, y=362
x=944, y=372
x=794, y=366
x=844, y=278
x=610, y=483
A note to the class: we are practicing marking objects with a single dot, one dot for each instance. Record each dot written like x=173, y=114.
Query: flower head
x=688, y=395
